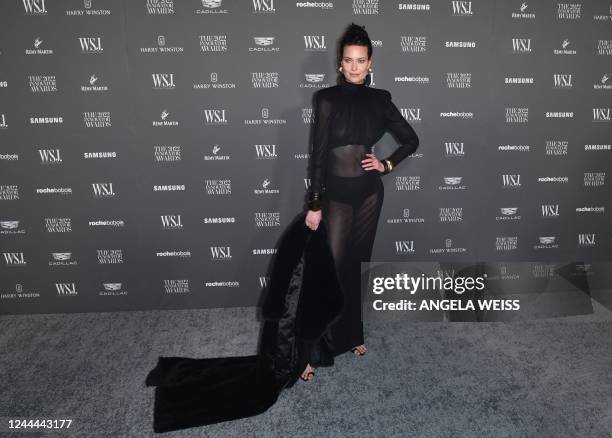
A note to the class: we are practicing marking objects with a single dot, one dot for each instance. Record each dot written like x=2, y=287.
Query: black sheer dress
x=302, y=310
x=349, y=119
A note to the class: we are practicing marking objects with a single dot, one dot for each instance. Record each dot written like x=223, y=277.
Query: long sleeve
x=398, y=126
x=320, y=148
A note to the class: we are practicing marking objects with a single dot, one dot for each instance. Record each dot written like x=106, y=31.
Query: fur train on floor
x=303, y=299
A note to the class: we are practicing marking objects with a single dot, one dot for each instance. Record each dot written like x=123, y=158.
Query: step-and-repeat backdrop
x=153, y=151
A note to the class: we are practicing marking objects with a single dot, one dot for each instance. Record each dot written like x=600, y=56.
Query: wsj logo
x=163, y=81
x=91, y=44
x=454, y=148
x=265, y=151
x=404, y=246
x=411, y=114
x=550, y=210
x=462, y=8
x=265, y=6
x=103, y=190
x=315, y=42
x=562, y=80
x=50, y=156
x=521, y=45
x=511, y=180
x=586, y=239
x=601, y=114
x=215, y=117
x=171, y=222
x=35, y=7
x=220, y=253
x=65, y=289
x=14, y=259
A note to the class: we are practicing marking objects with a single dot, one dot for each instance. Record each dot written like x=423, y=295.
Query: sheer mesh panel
x=346, y=160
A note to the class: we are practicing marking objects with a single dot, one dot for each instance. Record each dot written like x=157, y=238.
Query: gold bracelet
x=389, y=165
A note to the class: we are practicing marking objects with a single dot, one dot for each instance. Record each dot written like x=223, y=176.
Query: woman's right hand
x=313, y=218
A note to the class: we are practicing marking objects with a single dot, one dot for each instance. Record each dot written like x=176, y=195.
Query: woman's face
x=355, y=63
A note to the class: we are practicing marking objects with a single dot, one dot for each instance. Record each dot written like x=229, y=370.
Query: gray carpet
x=548, y=378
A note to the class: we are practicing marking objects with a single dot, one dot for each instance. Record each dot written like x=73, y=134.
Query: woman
x=346, y=189
x=347, y=193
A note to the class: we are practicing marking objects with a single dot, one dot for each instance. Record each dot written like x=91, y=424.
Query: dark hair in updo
x=355, y=35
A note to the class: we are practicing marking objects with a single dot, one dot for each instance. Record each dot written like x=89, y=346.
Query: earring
x=370, y=69
x=340, y=68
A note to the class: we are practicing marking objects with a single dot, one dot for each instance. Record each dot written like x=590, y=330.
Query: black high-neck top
x=349, y=119
x=351, y=86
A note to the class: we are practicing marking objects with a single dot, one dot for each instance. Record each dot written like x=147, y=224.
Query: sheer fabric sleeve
x=320, y=148
x=402, y=131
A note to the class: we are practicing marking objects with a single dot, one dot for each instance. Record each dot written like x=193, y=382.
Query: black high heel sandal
x=308, y=374
x=353, y=350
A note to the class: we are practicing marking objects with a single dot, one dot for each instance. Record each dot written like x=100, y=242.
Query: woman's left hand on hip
x=372, y=163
